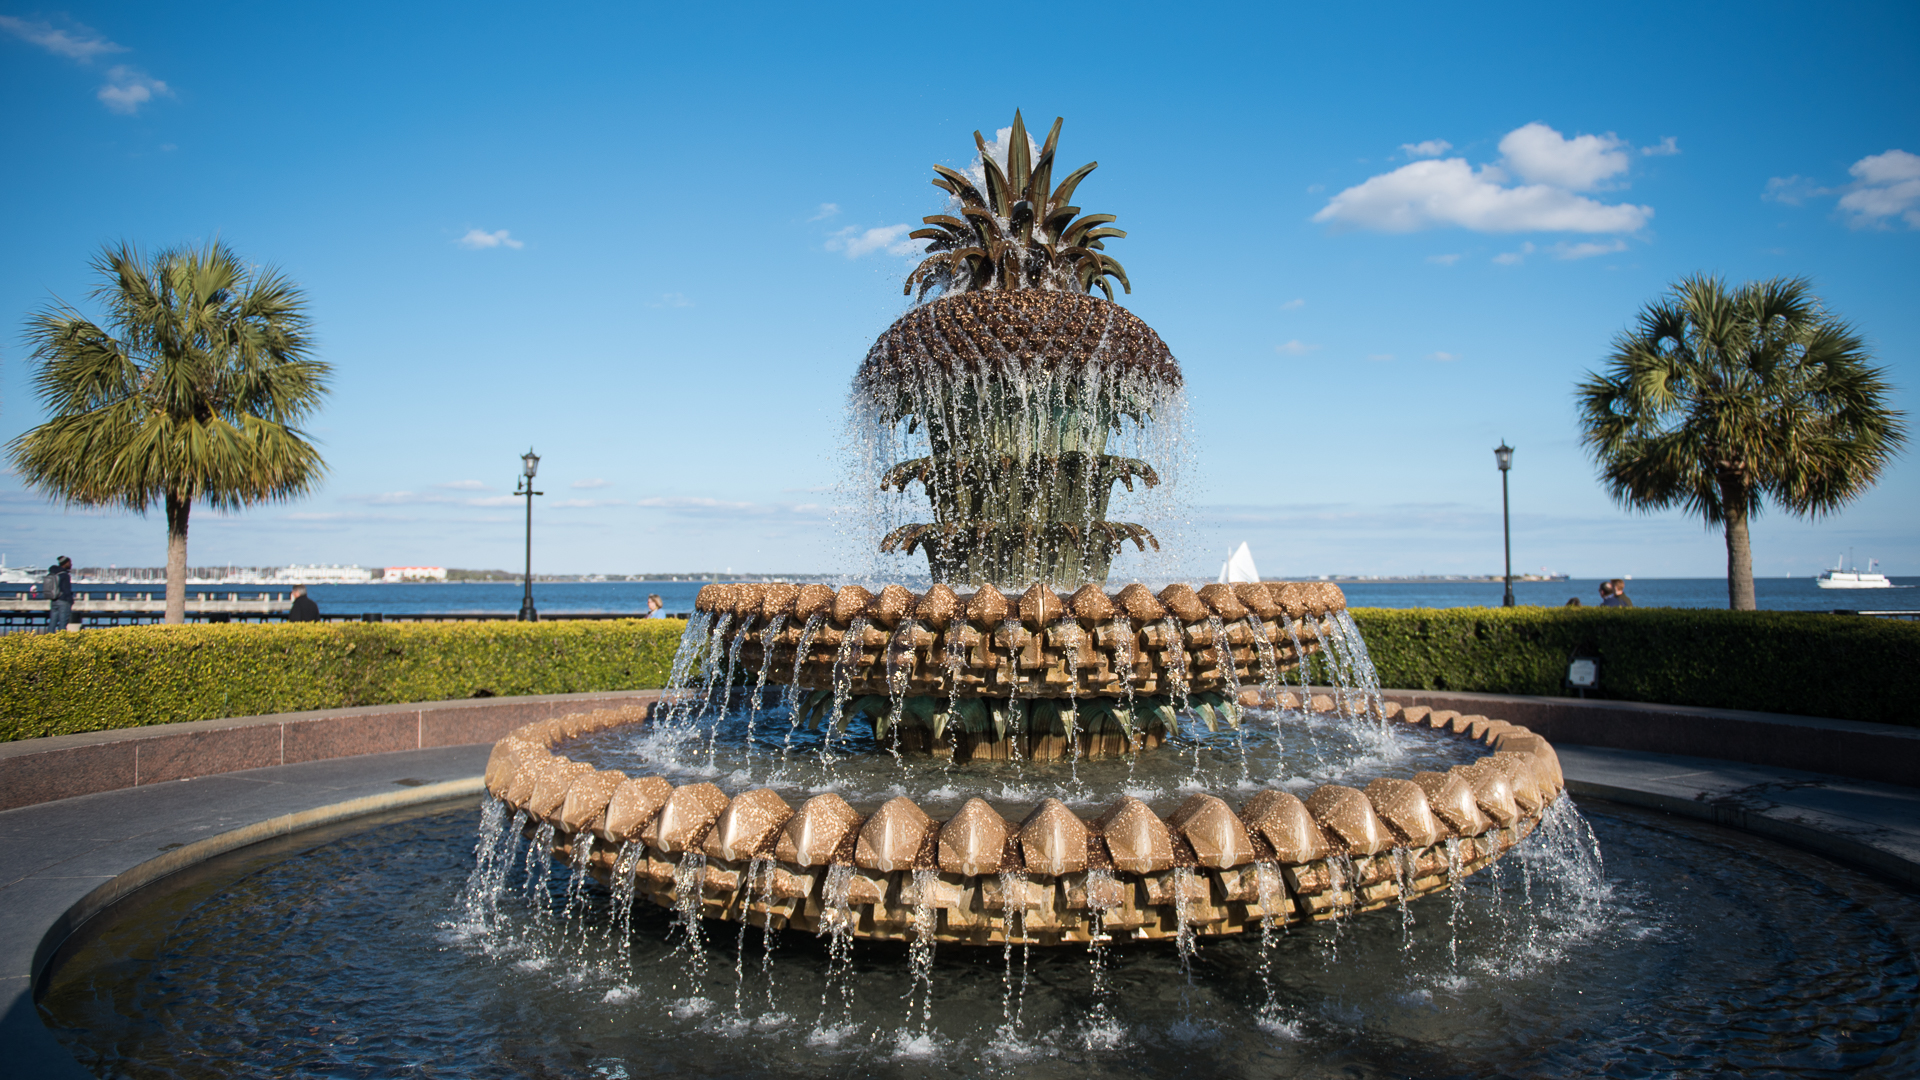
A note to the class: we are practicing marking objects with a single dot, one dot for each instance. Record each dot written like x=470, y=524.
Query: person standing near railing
x=59, y=589
x=303, y=609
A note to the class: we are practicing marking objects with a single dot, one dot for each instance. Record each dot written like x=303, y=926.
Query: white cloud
x=690, y=502
x=478, y=239
x=79, y=43
x=1443, y=260
x=1666, y=147
x=1296, y=348
x=826, y=211
x=1443, y=357
x=1429, y=148
x=1538, y=153
x=128, y=88
x=415, y=498
x=703, y=507
x=1586, y=249
x=1294, y=304
x=891, y=239
x=1433, y=193
x=589, y=485
x=1885, y=186
x=1511, y=258
x=1792, y=190
x=583, y=504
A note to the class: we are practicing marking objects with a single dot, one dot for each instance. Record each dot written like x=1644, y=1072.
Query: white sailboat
x=1837, y=578
x=1238, y=567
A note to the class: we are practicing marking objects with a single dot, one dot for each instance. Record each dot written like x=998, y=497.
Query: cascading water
x=1018, y=404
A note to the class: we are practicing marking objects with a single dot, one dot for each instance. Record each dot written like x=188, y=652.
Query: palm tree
x=1719, y=398
x=191, y=392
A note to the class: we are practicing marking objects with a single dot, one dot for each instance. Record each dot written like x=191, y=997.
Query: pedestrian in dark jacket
x=60, y=591
x=304, y=609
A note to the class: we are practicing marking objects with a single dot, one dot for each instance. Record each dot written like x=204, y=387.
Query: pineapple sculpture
x=1019, y=382
x=1018, y=377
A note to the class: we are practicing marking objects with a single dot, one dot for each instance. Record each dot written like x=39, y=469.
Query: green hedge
x=1838, y=666
x=1850, y=668
x=61, y=684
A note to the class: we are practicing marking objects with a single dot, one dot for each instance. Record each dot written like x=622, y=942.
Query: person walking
x=59, y=589
x=303, y=609
x=1615, y=592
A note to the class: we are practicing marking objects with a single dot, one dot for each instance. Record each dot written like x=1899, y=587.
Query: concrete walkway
x=62, y=862
x=1868, y=825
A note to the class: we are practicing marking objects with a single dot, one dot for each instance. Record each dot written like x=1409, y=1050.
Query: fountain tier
x=1035, y=676
x=1037, y=645
x=978, y=878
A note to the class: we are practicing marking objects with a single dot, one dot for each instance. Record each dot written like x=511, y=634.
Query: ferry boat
x=1837, y=578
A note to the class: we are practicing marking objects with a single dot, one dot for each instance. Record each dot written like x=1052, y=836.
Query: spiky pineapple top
x=1021, y=233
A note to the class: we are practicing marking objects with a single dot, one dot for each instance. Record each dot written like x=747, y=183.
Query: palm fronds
x=1019, y=233
x=1719, y=399
x=191, y=391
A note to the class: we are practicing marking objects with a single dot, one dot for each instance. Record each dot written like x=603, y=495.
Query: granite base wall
x=61, y=767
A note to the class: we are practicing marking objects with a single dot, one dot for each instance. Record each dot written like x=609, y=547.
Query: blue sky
x=654, y=243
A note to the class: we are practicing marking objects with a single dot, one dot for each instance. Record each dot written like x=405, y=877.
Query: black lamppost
x=1504, y=455
x=530, y=464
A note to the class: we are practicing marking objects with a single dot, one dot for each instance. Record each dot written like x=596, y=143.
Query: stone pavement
x=1868, y=825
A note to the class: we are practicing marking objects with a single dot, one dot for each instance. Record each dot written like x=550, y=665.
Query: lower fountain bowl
x=1053, y=877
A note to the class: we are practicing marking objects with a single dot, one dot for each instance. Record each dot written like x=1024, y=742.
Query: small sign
x=1584, y=673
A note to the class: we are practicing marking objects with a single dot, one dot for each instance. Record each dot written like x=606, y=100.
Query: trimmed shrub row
x=1786, y=662
x=62, y=684
x=1836, y=666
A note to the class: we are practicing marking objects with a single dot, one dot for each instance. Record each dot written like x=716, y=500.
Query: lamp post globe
x=1503, y=456
x=529, y=465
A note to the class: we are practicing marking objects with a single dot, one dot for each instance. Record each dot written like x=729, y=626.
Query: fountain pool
x=1693, y=951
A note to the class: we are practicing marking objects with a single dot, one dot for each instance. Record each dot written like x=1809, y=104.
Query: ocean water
x=626, y=597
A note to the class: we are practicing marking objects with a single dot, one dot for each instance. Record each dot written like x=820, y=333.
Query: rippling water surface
x=1695, y=952
x=1288, y=749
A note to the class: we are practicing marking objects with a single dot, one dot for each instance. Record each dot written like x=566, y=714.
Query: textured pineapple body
x=1018, y=393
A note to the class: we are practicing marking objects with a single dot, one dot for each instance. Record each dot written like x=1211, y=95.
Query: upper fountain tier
x=1017, y=379
x=1040, y=644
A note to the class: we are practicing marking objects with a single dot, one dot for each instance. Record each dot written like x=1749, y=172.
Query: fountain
x=1173, y=830
x=1018, y=382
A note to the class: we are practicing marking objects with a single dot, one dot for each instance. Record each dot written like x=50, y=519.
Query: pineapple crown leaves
x=1021, y=232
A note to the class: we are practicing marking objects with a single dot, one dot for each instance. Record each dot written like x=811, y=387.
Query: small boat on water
x=1837, y=578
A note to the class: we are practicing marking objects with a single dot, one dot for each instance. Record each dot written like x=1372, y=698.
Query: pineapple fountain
x=774, y=784
x=1152, y=817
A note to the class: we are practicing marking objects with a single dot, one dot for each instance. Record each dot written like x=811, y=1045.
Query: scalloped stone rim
x=1126, y=873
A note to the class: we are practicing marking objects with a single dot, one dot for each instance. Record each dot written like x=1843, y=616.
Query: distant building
x=323, y=575
x=414, y=573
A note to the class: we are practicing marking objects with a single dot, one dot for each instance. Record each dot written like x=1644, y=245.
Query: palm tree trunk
x=177, y=508
x=1739, y=561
